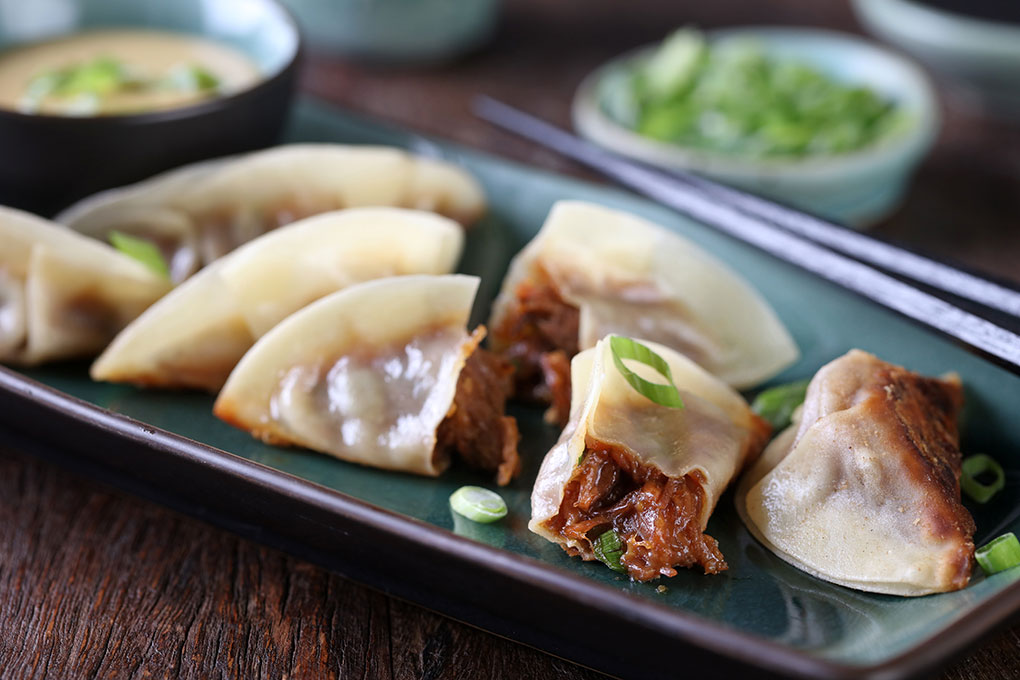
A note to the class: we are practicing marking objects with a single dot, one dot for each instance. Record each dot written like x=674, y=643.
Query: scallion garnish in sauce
x=777, y=404
x=119, y=72
x=478, y=504
x=190, y=78
x=981, y=466
x=662, y=394
x=142, y=250
x=1000, y=554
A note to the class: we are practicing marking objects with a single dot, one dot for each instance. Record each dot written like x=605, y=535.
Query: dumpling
x=592, y=271
x=63, y=295
x=384, y=374
x=649, y=474
x=863, y=489
x=201, y=212
x=194, y=336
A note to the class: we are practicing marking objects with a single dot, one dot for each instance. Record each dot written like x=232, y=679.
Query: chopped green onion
x=740, y=97
x=661, y=394
x=608, y=550
x=1000, y=554
x=777, y=404
x=674, y=65
x=478, y=504
x=144, y=251
x=975, y=466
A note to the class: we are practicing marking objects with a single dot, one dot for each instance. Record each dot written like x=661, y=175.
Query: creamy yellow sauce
x=152, y=58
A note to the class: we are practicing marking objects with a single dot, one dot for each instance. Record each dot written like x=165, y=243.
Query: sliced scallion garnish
x=976, y=466
x=999, y=554
x=191, y=78
x=662, y=394
x=144, y=251
x=478, y=504
x=777, y=404
x=99, y=77
x=608, y=550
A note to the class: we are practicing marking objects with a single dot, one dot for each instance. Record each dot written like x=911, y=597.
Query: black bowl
x=48, y=162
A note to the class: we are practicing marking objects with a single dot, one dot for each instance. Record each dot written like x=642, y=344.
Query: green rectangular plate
x=809, y=626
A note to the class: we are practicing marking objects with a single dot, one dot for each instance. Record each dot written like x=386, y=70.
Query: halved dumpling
x=648, y=473
x=194, y=336
x=863, y=489
x=384, y=374
x=63, y=295
x=201, y=212
x=592, y=271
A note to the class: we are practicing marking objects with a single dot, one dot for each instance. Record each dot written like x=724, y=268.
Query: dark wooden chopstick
x=712, y=206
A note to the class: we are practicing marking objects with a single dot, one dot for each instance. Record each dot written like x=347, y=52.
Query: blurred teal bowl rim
x=903, y=149
x=940, y=29
x=287, y=69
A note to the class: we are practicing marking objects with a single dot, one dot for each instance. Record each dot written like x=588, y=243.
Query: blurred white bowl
x=983, y=56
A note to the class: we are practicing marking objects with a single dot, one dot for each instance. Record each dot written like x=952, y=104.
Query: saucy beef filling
x=654, y=516
x=475, y=427
x=539, y=337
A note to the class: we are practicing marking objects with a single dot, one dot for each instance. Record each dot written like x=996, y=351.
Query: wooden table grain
x=94, y=583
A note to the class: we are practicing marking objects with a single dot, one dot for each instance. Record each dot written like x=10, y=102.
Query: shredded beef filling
x=475, y=428
x=539, y=336
x=655, y=516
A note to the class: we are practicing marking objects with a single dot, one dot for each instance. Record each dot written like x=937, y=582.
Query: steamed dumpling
x=200, y=212
x=384, y=374
x=63, y=295
x=195, y=336
x=652, y=474
x=863, y=489
x=592, y=271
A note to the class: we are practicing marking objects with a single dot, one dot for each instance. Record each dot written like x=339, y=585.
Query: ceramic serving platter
x=396, y=532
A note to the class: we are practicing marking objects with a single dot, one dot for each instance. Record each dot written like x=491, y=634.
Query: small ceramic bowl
x=49, y=161
x=856, y=188
x=982, y=56
x=416, y=31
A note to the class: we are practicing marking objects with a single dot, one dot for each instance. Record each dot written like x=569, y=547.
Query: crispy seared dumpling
x=63, y=295
x=385, y=374
x=195, y=336
x=863, y=489
x=592, y=271
x=650, y=473
x=201, y=212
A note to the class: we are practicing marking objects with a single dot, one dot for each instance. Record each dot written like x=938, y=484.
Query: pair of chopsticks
x=808, y=242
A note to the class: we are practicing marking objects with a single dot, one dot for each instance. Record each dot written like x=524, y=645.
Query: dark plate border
x=513, y=596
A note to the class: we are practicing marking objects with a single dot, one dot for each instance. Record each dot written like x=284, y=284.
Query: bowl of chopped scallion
x=821, y=120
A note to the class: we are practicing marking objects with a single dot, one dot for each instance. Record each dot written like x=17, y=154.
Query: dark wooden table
x=94, y=583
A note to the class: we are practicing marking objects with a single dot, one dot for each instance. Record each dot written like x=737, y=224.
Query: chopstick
x=742, y=217
x=863, y=247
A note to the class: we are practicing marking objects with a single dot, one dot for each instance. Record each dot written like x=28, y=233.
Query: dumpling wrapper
x=200, y=212
x=631, y=277
x=367, y=374
x=863, y=489
x=710, y=439
x=63, y=295
x=194, y=336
